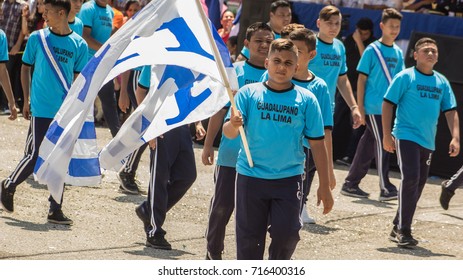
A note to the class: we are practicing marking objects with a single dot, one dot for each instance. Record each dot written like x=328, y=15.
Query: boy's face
x=280, y=18
x=304, y=54
x=52, y=15
x=76, y=5
x=281, y=66
x=391, y=28
x=259, y=44
x=331, y=27
x=133, y=9
x=427, y=55
x=364, y=34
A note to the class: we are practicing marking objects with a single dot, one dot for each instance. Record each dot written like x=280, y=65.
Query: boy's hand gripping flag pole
x=224, y=76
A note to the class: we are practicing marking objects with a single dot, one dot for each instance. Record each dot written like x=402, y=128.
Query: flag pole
x=224, y=76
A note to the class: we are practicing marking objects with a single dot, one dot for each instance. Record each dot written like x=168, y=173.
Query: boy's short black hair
x=281, y=44
x=328, y=11
x=253, y=28
x=287, y=29
x=233, y=40
x=279, y=4
x=422, y=41
x=365, y=24
x=64, y=4
x=305, y=35
x=390, y=13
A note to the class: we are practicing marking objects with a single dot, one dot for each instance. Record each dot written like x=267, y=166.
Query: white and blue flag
x=186, y=86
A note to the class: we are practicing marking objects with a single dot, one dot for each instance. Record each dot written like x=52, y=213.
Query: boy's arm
x=346, y=91
x=213, y=128
x=388, y=139
x=361, y=96
x=124, y=101
x=231, y=128
x=26, y=85
x=321, y=162
x=329, y=153
x=91, y=42
x=454, y=126
x=5, y=83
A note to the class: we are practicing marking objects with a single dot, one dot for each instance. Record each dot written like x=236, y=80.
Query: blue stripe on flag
x=145, y=123
x=38, y=164
x=126, y=58
x=89, y=71
x=54, y=132
x=88, y=131
x=88, y=167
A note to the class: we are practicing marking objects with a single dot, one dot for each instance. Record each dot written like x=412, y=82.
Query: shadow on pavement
x=34, y=226
x=318, y=229
x=376, y=203
x=158, y=254
x=415, y=251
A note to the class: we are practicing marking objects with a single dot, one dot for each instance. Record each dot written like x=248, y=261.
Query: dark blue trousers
x=414, y=162
x=172, y=173
x=221, y=208
x=267, y=205
x=109, y=105
x=369, y=147
x=456, y=181
x=37, y=129
x=309, y=170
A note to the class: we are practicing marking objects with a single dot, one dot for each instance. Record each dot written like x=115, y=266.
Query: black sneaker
x=405, y=238
x=386, y=195
x=393, y=234
x=143, y=215
x=210, y=256
x=445, y=196
x=58, y=217
x=158, y=242
x=354, y=192
x=347, y=161
x=128, y=183
x=6, y=198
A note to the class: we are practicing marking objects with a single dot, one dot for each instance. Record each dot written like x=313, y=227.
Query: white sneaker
x=306, y=219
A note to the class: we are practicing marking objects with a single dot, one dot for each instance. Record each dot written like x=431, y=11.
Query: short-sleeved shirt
x=275, y=123
x=329, y=64
x=3, y=47
x=77, y=26
x=247, y=73
x=47, y=91
x=99, y=19
x=144, y=80
x=377, y=83
x=419, y=98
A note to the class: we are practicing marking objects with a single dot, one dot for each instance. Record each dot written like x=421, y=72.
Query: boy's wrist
x=353, y=107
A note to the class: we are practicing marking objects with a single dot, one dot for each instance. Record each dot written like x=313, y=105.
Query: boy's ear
x=381, y=26
x=246, y=43
x=266, y=63
x=318, y=23
x=312, y=54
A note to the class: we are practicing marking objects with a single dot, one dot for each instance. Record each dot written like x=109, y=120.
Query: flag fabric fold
x=167, y=34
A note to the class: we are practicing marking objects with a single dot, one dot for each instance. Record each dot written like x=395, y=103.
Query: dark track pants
x=456, y=181
x=414, y=162
x=260, y=203
x=109, y=105
x=369, y=147
x=221, y=208
x=172, y=173
x=37, y=129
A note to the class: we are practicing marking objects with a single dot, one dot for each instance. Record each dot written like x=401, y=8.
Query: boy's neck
x=303, y=73
x=428, y=70
x=388, y=41
x=257, y=62
x=278, y=86
x=325, y=38
x=61, y=29
x=71, y=17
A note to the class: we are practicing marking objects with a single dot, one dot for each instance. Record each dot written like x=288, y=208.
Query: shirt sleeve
x=343, y=59
x=145, y=77
x=86, y=15
x=30, y=52
x=313, y=120
x=396, y=89
x=364, y=65
x=448, y=100
x=82, y=57
x=3, y=48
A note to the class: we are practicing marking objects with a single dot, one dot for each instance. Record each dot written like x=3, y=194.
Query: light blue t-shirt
x=77, y=26
x=99, y=19
x=245, y=50
x=3, y=47
x=419, y=98
x=47, y=91
x=275, y=123
x=144, y=80
x=329, y=64
x=247, y=73
x=377, y=83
